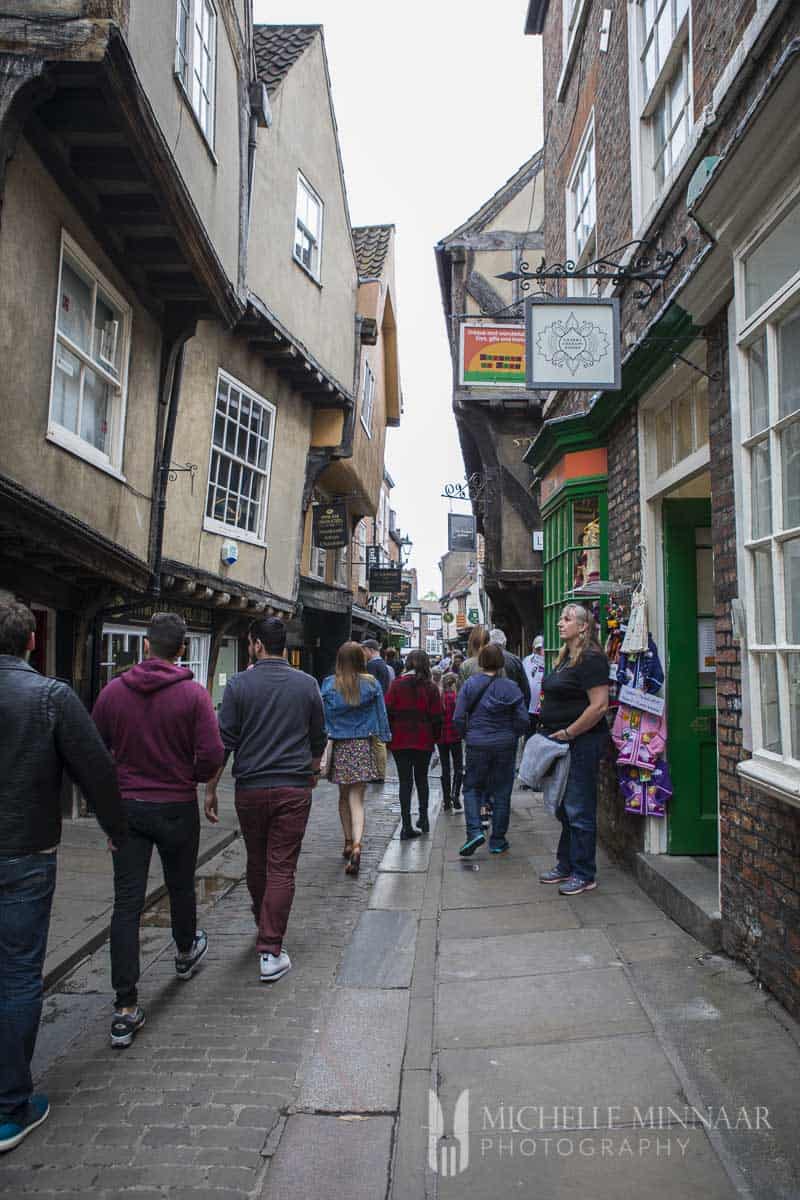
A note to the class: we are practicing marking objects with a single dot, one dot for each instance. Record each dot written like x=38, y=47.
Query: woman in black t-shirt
x=574, y=704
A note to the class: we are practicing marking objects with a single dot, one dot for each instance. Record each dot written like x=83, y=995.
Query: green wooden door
x=689, y=665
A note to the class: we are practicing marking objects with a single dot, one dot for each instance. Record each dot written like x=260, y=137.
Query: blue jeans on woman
x=577, y=846
x=489, y=776
x=27, y=882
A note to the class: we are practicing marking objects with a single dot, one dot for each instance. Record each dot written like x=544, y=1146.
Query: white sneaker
x=273, y=966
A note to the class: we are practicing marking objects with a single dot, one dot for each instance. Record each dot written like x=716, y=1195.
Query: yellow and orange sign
x=492, y=354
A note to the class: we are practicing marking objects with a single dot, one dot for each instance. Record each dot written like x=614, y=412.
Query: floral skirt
x=352, y=761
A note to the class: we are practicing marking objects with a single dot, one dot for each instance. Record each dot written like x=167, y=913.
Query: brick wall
x=622, y=833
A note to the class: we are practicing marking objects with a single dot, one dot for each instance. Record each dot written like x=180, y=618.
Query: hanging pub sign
x=331, y=525
x=573, y=345
x=492, y=355
x=396, y=607
x=385, y=580
x=460, y=531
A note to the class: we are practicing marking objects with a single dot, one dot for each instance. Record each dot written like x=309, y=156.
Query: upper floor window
x=340, y=567
x=241, y=457
x=308, y=227
x=661, y=91
x=582, y=211
x=195, y=58
x=90, y=359
x=769, y=381
x=360, y=542
x=318, y=562
x=368, y=400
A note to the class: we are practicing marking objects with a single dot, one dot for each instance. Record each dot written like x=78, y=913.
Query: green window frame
x=564, y=518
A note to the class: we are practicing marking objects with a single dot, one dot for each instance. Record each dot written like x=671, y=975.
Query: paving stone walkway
x=197, y=1104
x=570, y=1035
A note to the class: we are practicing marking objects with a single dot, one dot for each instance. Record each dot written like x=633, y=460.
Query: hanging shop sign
x=573, y=345
x=473, y=616
x=374, y=556
x=395, y=608
x=492, y=355
x=385, y=580
x=448, y=618
x=331, y=525
x=460, y=531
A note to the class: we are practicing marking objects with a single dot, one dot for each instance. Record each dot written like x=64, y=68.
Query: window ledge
x=306, y=271
x=188, y=102
x=776, y=779
x=232, y=532
x=572, y=49
x=84, y=451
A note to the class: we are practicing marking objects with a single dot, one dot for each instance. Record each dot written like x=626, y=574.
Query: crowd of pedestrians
x=154, y=736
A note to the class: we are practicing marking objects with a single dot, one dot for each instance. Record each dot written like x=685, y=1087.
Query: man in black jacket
x=512, y=665
x=45, y=728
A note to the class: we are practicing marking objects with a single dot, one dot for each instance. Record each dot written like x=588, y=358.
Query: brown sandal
x=348, y=848
x=354, y=864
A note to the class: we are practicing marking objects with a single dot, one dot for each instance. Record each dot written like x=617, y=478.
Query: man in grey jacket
x=45, y=729
x=272, y=721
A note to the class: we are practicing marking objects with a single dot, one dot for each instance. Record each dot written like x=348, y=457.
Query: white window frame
x=368, y=399
x=573, y=18
x=433, y=644
x=314, y=269
x=779, y=773
x=202, y=645
x=361, y=558
x=588, y=252
x=110, y=462
x=317, y=562
x=644, y=103
x=214, y=524
x=340, y=567
x=189, y=61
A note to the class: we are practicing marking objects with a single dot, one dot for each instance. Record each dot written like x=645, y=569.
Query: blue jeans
x=577, y=812
x=489, y=776
x=27, y=882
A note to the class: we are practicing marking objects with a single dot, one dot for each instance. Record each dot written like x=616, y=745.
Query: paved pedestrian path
x=570, y=1035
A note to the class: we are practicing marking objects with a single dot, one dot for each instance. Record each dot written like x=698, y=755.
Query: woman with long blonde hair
x=355, y=720
x=574, y=705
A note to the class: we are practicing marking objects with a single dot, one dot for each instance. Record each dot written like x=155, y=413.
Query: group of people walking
x=153, y=737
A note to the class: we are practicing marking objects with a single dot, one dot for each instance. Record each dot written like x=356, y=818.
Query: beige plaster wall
x=212, y=174
x=34, y=213
x=524, y=211
x=212, y=349
x=302, y=137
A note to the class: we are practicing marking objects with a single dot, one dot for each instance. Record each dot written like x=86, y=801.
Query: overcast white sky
x=438, y=103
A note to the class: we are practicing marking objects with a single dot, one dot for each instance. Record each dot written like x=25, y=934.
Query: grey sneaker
x=186, y=964
x=274, y=966
x=125, y=1026
x=574, y=886
x=555, y=875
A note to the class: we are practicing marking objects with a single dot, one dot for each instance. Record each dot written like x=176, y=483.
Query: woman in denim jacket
x=354, y=713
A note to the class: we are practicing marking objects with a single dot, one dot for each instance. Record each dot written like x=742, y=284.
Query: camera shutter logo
x=445, y=1159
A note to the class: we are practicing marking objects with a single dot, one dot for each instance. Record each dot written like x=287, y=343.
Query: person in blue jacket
x=491, y=715
x=355, y=719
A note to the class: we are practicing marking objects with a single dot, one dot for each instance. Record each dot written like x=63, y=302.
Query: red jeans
x=273, y=821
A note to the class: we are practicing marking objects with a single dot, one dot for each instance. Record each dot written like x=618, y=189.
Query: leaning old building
x=493, y=408
x=667, y=134
x=193, y=350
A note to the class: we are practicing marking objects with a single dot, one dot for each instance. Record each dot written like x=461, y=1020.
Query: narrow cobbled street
x=583, y=1036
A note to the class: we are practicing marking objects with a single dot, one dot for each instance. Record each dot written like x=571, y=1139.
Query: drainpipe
x=167, y=421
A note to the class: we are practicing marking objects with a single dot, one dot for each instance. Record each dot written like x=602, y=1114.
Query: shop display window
x=575, y=556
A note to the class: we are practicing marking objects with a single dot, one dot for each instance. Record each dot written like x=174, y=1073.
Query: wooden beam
x=67, y=39
x=101, y=166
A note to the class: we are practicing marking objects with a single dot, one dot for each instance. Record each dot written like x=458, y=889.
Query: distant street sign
x=385, y=580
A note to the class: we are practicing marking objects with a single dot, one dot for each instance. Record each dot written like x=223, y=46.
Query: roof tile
x=371, y=243
x=277, y=48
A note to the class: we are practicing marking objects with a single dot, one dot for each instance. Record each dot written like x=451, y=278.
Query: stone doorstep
x=64, y=958
x=687, y=890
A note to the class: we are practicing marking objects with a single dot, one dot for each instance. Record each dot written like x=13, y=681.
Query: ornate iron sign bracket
x=647, y=267
x=475, y=490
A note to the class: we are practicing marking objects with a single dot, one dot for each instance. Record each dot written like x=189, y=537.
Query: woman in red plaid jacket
x=414, y=706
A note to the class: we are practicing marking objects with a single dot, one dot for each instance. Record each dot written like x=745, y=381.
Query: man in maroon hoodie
x=162, y=730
